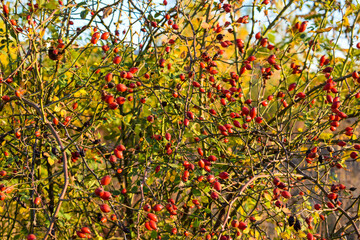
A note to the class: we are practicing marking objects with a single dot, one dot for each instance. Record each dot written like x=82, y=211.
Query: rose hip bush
x=198, y=119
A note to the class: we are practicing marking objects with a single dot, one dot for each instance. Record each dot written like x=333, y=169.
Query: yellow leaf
x=80, y=92
x=285, y=235
x=167, y=177
x=205, y=25
x=24, y=212
x=42, y=33
x=321, y=30
x=268, y=197
x=57, y=108
x=302, y=235
x=242, y=32
x=150, y=181
x=246, y=231
x=51, y=160
x=354, y=137
x=258, y=218
x=349, y=10
x=63, y=112
x=326, y=136
x=241, y=211
x=172, y=178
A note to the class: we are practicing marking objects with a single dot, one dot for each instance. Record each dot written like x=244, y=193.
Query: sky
x=343, y=42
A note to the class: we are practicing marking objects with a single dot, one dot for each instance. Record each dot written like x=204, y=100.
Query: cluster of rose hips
x=280, y=189
x=84, y=233
x=151, y=224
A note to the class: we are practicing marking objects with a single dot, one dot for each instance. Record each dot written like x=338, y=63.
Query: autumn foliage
x=194, y=119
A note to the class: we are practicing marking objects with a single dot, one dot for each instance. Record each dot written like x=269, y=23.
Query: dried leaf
x=183, y=54
x=107, y=11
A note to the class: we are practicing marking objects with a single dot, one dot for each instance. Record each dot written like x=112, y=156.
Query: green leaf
x=41, y=2
x=196, y=223
x=64, y=215
x=173, y=165
x=153, y=235
x=84, y=13
x=207, y=210
x=81, y=4
x=116, y=193
x=196, y=192
x=204, y=199
x=207, y=189
x=134, y=189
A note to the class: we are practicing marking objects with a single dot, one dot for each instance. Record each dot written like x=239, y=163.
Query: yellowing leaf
x=172, y=178
x=63, y=112
x=242, y=33
x=285, y=235
x=321, y=30
x=258, y=218
x=302, y=234
x=42, y=33
x=80, y=92
x=23, y=211
x=51, y=160
x=326, y=136
x=57, y=108
x=204, y=199
x=268, y=197
x=346, y=22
